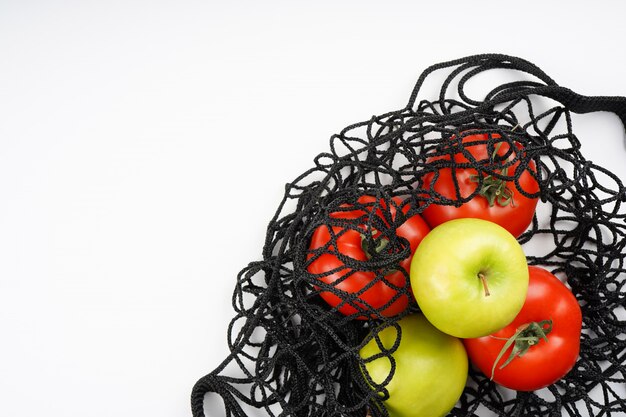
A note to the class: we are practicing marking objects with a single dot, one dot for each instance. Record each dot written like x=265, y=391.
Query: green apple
x=469, y=277
x=430, y=373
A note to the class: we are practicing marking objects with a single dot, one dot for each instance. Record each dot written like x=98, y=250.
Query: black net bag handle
x=292, y=353
x=474, y=65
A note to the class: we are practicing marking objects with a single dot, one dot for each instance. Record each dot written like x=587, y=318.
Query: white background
x=144, y=146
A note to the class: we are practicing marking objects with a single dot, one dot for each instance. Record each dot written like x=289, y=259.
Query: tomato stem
x=380, y=244
x=526, y=336
x=495, y=190
x=483, y=278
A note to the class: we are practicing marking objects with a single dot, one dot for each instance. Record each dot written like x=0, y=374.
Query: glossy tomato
x=541, y=345
x=498, y=201
x=354, y=289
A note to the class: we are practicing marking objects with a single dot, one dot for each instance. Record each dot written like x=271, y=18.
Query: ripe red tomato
x=325, y=260
x=498, y=201
x=547, y=355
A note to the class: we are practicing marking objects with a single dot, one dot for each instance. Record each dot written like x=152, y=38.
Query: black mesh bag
x=296, y=336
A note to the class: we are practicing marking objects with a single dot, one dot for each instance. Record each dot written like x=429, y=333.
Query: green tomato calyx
x=495, y=190
x=523, y=339
x=379, y=244
x=375, y=246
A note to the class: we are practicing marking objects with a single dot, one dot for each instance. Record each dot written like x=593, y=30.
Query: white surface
x=124, y=205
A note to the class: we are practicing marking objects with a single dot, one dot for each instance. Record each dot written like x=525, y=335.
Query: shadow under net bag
x=296, y=335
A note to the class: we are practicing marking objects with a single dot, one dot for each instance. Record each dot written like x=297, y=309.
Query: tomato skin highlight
x=515, y=217
x=545, y=362
x=349, y=244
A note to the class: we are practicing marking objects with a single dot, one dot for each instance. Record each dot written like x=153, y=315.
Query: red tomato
x=498, y=201
x=324, y=258
x=544, y=360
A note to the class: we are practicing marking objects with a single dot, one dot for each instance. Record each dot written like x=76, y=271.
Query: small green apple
x=469, y=277
x=430, y=373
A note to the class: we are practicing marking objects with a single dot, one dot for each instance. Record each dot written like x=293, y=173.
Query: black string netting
x=294, y=355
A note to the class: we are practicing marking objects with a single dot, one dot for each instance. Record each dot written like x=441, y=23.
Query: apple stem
x=482, y=277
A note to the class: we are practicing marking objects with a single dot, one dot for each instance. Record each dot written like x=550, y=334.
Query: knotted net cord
x=294, y=355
